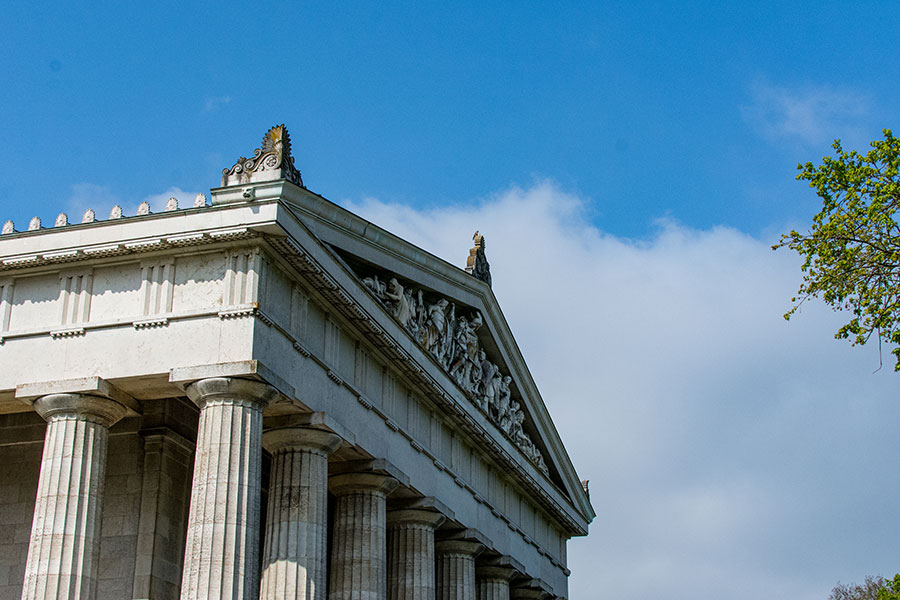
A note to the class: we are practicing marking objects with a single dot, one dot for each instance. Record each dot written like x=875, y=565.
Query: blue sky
x=699, y=112
x=629, y=163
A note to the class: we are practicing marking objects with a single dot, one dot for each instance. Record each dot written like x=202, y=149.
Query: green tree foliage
x=873, y=588
x=851, y=254
x=890, y=590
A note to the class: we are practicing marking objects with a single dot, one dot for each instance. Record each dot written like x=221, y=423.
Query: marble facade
x=215, y=402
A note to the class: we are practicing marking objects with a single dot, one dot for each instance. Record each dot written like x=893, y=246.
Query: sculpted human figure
x=420, y=311
x=507, y=419
x=399, y=302
x=487, y=371
x=491, y=391
x=501, y=405
x=435, y=325
x=518, y=434
x=458, y=360
x=412, y=323
x=445, y=354
x=376, y=286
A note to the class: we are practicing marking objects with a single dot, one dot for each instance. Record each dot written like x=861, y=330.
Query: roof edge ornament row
x=270, y=162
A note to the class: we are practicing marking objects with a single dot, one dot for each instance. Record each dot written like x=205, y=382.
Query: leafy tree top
x=851, y=254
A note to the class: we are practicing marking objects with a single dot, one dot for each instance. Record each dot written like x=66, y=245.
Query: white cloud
x=811, y=114
x=86, y=196
x=729, y=452
x=214, y=102
x=101, y=199
x=158, y=201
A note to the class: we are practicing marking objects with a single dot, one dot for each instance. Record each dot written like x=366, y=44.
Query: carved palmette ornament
x=271, y=161
x=452, y=340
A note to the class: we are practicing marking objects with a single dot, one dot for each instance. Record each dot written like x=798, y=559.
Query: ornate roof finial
x=61, y=220
x=172, y=204
x=477, y=263
x=199, y=200
x=271, y=161
x=34, y=224
x=8, y=227
x=89, y=216
x=144, y=208
x=116, y=212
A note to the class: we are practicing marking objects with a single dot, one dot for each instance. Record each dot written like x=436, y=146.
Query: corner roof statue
x=477, y=263
x=272, y=160
x=184, y=393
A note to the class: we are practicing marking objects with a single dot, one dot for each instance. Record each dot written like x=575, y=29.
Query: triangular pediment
x=454, y=336
x=454, y=322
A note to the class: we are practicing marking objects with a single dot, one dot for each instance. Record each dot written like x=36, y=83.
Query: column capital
x=97, y=409
x=410, y=516
x=458, y=547
x=283, y=438
x=495, y=573
x=243, y=391
x=361, y=483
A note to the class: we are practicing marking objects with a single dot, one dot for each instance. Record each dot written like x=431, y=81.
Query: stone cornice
x=134, y=246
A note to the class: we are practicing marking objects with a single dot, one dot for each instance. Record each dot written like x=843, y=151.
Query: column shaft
x=493, y=589
x=222, y=547
x=359, y=548
x=411, y=554
x=65, y=536
x=456, y=569
x=297, y=517
x=493, y=582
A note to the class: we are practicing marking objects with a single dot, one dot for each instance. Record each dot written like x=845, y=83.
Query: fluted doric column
x=297, y=517
x=411, y=554
x=65, y=532
x=222, y=550
x=493, y=582
x=359, y=547
x=456, y=569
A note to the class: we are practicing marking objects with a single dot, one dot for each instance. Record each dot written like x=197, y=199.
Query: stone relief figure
x=500, y=406
x=435, y=327
x=376, y=287
x=399, y=302
x=452, y=340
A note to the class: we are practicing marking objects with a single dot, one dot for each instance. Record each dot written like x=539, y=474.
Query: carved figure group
x=453, y=342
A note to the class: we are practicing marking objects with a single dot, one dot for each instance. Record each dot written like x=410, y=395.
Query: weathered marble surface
x=222, y=550
x=411, y=554
x=359, y=539
x=456, y=569
x=64, y=551
x=296, y=533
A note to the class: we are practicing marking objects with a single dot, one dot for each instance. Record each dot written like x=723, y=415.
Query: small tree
x=890, y=590
x=851, y=254
x=869, y=590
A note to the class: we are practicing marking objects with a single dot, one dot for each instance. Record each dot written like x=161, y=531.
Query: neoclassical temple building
x=265, y=396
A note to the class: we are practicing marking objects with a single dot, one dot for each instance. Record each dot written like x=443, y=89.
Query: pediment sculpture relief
x=451, y=338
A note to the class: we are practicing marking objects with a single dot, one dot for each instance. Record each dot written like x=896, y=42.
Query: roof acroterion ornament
x=270, y=162
x=477, y=263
